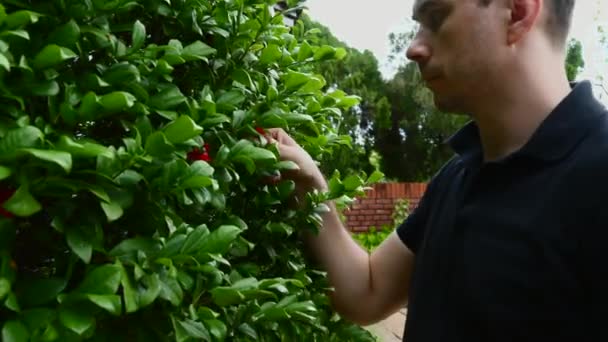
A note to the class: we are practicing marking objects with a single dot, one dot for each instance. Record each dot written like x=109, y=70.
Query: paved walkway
x=391, y=329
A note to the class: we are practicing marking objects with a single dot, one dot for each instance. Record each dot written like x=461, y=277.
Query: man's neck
x=506, y=124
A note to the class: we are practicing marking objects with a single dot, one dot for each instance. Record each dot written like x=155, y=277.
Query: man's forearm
x=346, y=263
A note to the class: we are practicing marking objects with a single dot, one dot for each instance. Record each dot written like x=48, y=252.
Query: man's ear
x=524, y=14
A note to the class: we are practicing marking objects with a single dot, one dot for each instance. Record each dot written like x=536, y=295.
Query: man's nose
x=418, y=52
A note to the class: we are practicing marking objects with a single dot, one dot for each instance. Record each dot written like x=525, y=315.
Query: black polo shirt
x=517, y=249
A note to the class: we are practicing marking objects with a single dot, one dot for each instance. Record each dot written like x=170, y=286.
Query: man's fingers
x=281, y=136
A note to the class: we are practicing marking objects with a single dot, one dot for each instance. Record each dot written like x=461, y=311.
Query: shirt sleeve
x=411, y=231
x=594, y=267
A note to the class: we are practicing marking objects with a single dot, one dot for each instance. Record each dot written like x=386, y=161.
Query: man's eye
x=434, y=20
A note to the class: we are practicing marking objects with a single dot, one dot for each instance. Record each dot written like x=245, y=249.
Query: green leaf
x=15, y=331
x=20, y=18
x=79, y=244
x=110, y=303
x=220, y=240
x=121, y=73
x=242, y=76
x=22, y=203
x=217, y=328
x=197, y=51
x=157, y=145
x=128, y=292
x=296, y=80
x=271, y=54
x=52, y=55
x=171, y=291
x=5, y=172
x=17, y=33
x=81, y=149
x=324, y=53
x=168, y=98
x=65, y=35
x=152, y=291
x=28, y=136
x=112, y=210
x=117, y=101
x=375, y=177
x=41, y=291
x=138, y=35
x=305, y=52
x=125, y=247
x=195, y=329
x=102, y=280
x=195, y=240
x=231, y=99
x=63, y=159
x=5, y=287
x=76, y=319
x=246, y=329
x=4, y=62
x=182, y=129
x=45, y=88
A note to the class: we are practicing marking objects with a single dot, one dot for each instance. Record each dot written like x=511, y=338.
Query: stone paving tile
x=390, y=329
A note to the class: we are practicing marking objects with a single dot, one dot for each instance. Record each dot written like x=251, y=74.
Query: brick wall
x=376, y=209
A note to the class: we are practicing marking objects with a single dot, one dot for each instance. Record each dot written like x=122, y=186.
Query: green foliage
x=401, y=211
x=372, y=238
x=134, y=199
x=357, y=74
x=574, y=59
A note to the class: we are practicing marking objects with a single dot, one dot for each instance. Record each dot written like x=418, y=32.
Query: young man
x=508, y=242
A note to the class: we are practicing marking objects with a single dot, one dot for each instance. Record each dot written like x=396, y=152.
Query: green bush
x=374, y=237
x=138, y=194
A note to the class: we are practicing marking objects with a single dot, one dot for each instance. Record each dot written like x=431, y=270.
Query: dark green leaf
x=138, y=36
x=167, y=99
x=63, y=159
x=110, y=303
x=22, y=203
x=246, y=329
x=80, y=149
x=5, y=288
x=117, y=101
x=171, y=291
x=76, y=319
x=66, y=35
x=5, y=172
x=45, y=88
x=146, y=245
x=28, y=136
x=102, y=280
x=182, y=129
x=197, y=51
x=112, y=210
x=41, y=291
x=271, y=54
x=21, y=18
x=219, y=240
x=158, y=145
x=195, y=240
x=217, y=328
x=195, y=329
x=52, y=55
x=15, y=331
x=79, y=244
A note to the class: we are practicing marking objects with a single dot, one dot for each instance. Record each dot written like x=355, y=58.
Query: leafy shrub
x=401, y=211
x=139, y=197
x=373, y=237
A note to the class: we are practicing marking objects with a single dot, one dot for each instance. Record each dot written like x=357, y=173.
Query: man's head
x=468, y=49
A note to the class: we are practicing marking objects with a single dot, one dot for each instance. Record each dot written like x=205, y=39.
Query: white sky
x=365, y=24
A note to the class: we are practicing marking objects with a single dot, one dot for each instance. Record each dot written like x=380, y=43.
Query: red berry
x=260, y=130
x=5, y=194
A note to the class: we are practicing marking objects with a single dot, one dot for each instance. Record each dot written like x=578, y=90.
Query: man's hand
x=308, y=177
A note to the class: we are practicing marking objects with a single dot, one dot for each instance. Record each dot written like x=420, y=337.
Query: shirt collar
x=557, y=135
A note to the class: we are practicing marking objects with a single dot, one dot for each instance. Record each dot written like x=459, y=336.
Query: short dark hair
x=560, y=18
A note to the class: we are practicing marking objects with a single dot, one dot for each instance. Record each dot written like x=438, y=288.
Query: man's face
x=457, y=49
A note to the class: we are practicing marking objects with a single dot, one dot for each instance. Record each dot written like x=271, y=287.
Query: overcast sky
x=365, y=24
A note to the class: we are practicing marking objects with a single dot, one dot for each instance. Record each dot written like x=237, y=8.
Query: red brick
x=383, y=211
x=368, y=212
